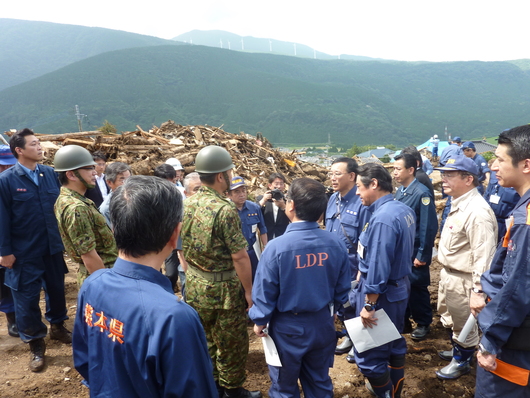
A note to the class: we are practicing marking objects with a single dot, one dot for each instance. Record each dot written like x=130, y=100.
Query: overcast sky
x=409, y=30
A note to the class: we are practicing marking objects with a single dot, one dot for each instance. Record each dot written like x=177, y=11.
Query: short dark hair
x=144, y=213
x=18, y=140
x=208, y=178
x=309, y=197
x=408, y=159
x=99, y=155
x=165, y=171
x=274, y=176
x=63, y=179
x=412, y=150
x=370, y=171
x=114, y=169
x=351, y=164
x=517, y=140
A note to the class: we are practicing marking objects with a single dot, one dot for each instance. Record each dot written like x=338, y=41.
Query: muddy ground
x=60, y=379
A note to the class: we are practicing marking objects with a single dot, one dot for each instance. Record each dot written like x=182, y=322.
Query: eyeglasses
x=446, y=175
x=337, y=175
x=87, y=168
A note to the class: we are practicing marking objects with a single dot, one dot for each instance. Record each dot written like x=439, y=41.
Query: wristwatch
x=369, y=305
x=483, y=350
x=477, y=290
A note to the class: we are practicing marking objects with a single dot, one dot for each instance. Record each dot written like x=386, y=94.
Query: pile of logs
x=255, y=158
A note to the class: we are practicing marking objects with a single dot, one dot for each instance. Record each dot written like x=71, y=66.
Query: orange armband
x=512, y=373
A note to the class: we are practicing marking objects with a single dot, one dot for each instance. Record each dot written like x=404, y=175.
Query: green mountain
x=289, y=99
x=231, y=41
x=29, y=49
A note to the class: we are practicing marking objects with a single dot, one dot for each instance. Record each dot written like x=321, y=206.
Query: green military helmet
x=72, y=157
x=213, y=159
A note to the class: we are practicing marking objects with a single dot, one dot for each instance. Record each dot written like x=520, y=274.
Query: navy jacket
x=507, y=282
x=28, y=227
x=418, y=198
x=303, y=270
x=346, y=218
x=134, y=338
x=386, y=244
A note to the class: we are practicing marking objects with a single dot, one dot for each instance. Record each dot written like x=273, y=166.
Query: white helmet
x=435, y=135
x=175, y=163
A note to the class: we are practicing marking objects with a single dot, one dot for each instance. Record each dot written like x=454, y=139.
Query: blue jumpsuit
x=28, y=230
x=502, y=201
x=299, y=275
x=346, y=217
x=252, y=219
x=134, y=338
x=385, y=249
x=483, y=168
x=419, y=199
x=507, y=283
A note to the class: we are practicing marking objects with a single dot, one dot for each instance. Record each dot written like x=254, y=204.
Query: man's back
x=144, y=338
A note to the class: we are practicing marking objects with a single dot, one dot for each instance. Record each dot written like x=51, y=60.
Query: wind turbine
x=242, y=45
x=314, y=53
x=221, y=42
x=228, y=44
x=270, y=45
x=294, y=44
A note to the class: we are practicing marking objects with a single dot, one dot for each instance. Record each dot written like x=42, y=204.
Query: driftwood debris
x=255, y=158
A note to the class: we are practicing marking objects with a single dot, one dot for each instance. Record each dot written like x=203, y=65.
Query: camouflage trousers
x=227, y=338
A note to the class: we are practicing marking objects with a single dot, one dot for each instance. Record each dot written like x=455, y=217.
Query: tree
x=108, y=128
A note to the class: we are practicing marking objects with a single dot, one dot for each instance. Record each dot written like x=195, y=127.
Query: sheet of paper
x=365, y=338
x=271, y=353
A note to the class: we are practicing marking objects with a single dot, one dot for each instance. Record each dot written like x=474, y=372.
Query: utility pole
x=80, y=117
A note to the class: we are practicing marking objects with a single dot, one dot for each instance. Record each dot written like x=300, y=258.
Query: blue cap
x=237, y=182
x=457, y=139
x=460, y=163
x=468, y=144
x=6, y=157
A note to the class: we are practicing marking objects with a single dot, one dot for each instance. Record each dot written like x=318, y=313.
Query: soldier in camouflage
x=86, y=236
x=215, y=248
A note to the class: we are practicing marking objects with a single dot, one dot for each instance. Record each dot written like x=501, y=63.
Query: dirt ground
x=60, y=379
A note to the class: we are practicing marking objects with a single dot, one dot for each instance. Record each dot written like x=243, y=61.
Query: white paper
x=271, y=353
x=365, y=338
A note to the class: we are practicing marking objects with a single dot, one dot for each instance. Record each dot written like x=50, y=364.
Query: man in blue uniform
x=304, y=259
x=505, y=320
x=345, y=217
x=451, y=151
x=385, y=250
x=418, y=198
x=484, y=171
x=133, y=337
x=251, y=219
x=30, y=245
x=502, y=201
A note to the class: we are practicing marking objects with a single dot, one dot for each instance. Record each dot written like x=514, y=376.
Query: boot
x=381, y=386
x=59, y=332
x=37, y=348
x=12, y=329
x=351, y=356
x=344, y=347
x=447, y=355
x=460, y=364
x=241, y=393
x=396, y=367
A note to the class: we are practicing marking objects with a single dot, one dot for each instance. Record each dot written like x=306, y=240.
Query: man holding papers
x=385, y=250
x=303, y=277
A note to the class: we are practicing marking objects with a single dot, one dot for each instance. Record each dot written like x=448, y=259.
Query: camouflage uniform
x=211, y=233
x=83, y=229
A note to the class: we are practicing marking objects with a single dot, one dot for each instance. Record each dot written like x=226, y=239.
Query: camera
x=277, y=194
